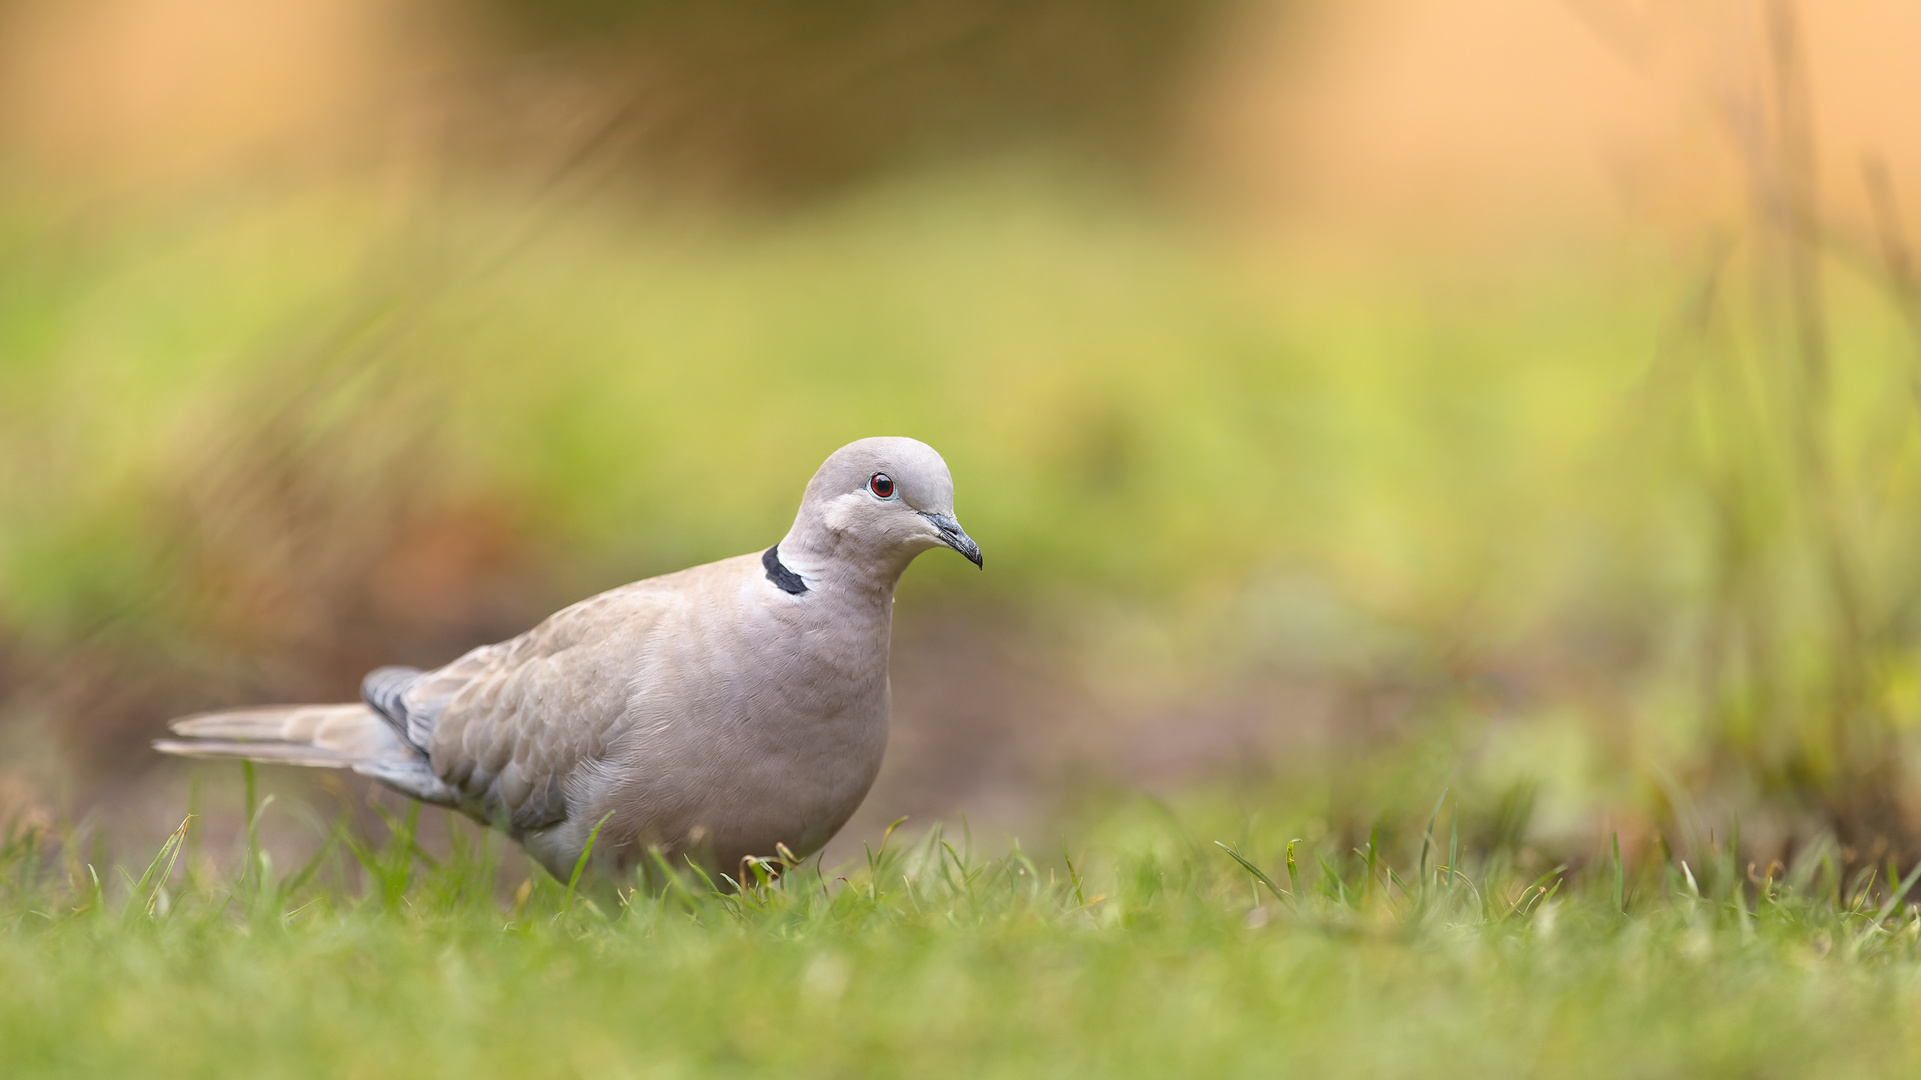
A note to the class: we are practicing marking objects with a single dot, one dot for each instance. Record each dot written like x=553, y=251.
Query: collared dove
x=715, y=713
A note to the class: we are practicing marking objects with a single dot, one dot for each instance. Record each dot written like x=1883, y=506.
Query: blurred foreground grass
x=1148, y=952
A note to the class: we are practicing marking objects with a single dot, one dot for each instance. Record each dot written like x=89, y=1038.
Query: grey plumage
x=713, y=713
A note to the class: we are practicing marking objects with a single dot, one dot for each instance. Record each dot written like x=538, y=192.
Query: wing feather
x=508, y=725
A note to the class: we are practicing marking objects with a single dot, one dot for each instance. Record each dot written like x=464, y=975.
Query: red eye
x=881, y=485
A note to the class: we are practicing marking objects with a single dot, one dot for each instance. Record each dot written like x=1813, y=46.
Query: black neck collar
x=786, y=580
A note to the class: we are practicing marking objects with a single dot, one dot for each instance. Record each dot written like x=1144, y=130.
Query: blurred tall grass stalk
x=1803, y=446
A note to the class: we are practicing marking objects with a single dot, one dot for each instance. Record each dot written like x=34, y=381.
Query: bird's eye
x=882, y=485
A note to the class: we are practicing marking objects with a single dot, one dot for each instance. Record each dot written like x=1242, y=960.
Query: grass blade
x=253, y=827
x=1427, y=841
x=1900, y=892
x=1620, y=878
x=156, y=876
x=580, y=864
x=1259, y=876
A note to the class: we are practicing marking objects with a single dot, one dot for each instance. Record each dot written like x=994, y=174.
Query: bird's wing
x=506, y=725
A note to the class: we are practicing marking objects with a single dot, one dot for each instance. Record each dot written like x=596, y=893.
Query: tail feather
x=337, y=735
x=278, y=753
x=324, y=736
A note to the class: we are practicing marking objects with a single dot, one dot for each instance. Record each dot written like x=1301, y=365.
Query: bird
x=733, y=710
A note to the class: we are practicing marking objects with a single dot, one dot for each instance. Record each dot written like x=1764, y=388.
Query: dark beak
x=956, y=537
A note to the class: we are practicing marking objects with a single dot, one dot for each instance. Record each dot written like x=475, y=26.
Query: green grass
x=1147, y=953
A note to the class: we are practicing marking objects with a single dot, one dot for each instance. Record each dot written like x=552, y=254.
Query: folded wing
x=509, y=727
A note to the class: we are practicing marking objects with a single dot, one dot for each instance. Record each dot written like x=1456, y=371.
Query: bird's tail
x=326, y=736
x=329, y=736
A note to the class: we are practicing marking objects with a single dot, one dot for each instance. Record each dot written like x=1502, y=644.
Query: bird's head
x=881, y=500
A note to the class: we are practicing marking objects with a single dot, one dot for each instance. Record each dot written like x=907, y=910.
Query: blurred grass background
x=1352, y=403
